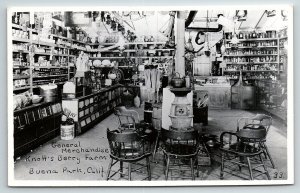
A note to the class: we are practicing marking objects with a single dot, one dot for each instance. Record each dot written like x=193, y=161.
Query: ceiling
x=255, y=19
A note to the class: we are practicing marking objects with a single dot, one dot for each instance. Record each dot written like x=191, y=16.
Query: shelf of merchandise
x=47, y=46
x=49, y=76
x=248, y=70
x=245, y=55
x=253, y=39
x=127, y=43
x=271, y=92
x=22, y=88
x=132, y=52
x=237, y=63
x=20, y=77
x=50, y=67
x=260, y=63
x=21, y=51
x=21, y=67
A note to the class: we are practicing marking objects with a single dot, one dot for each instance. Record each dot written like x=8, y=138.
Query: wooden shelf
x=37, y=86
x=20, y=77
x=49, y=76
x=61, y=37
x=253, y=39
x=21, y=51
x=250, y=79
x=117, y=57
x=24, y=67
x=50, y=67
x=112, y=66
x=127, y=43
x=21, y=28
x=249, y=70
x=77, y=41
x=64, y=55
x=131, y=50
x=22, y=88
x=249, y=55
x=282, y=38
x=42, y=53
x=143, y=57
x=237, y=63
x=61, y=46
x=253, y=47
x=43, y=43
x=20, y=40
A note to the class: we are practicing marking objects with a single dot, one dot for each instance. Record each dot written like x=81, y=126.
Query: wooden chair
x=181, y=148
x=128, y=119
x=263, y=120
x=129, y=148
x=242, y=148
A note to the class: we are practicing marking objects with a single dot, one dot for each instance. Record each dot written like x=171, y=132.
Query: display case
x=272, y=97
x=89, y=110
x=34, y=125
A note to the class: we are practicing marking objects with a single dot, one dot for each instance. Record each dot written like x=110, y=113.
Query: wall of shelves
x=256, y=56
x=64, y=50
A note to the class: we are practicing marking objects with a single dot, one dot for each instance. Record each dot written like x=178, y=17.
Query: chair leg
x=192, y=168
x=167, y=168
x=250, y=168
x=148, y=168
x=241, y=161
x=265, y=168
x=269, y=155
x=197, y=167
x=156, y=145
x=129, y=171
x=222, y=167
x=109, y=169
x=121, y=169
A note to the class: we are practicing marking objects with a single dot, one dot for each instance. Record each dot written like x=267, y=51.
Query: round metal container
x=67, y=132
x=49, y=92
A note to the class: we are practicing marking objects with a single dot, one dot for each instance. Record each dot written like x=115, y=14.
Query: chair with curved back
x=128, y=119
x=243, y=148
x=263, y=120
x=127, y=147
x=181, y=147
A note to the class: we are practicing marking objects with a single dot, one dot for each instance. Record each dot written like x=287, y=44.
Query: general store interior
x=163, y=95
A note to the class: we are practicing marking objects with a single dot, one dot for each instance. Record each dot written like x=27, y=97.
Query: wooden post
x=180, y=48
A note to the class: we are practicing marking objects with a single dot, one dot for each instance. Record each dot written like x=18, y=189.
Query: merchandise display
x=170, y=87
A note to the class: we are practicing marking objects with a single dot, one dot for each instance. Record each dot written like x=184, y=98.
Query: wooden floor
x=88, y=158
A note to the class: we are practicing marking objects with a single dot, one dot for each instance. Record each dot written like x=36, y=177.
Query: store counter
x=219, y=95
x=89, y=110
x=34, y=125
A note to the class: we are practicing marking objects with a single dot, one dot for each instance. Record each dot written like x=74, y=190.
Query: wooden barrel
x=67, y=132
x=156, y=116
